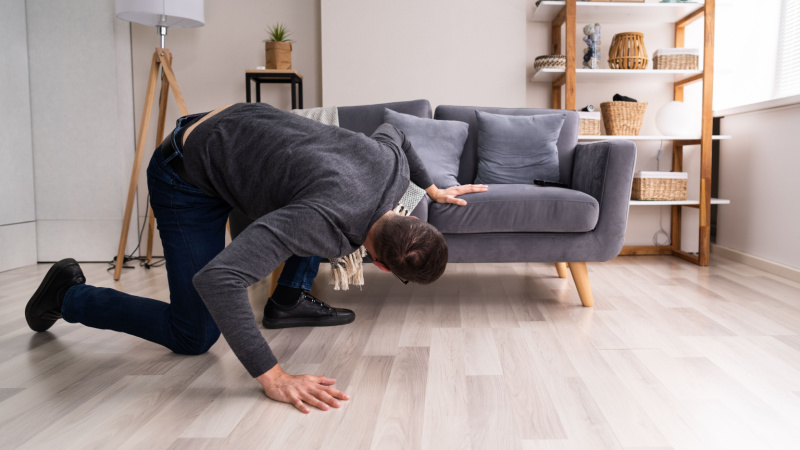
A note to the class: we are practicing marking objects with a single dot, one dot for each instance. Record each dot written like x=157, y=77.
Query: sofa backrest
x=367, y=118
x=468, y=166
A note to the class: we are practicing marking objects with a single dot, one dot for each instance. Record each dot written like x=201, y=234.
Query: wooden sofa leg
x=581, y=277
x=561, y=268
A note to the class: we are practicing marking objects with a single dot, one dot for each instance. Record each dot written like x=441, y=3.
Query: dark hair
x=411, y=248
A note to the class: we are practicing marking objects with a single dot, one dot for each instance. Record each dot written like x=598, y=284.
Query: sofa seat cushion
x=518, y=208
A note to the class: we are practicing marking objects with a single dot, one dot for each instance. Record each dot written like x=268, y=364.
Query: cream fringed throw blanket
x=348, y=269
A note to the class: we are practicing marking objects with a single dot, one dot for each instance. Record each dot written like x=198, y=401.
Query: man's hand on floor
x=301, y=390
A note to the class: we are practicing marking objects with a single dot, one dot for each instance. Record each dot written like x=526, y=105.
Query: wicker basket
x=623, y=118
x=627, y=51
x=550, y=62
x=659, y=186
x=589, y=123
x=676, y=59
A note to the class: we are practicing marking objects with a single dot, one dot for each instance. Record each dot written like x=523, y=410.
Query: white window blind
x=787, y=74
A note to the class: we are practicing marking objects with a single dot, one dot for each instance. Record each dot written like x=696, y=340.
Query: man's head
x=412, y=249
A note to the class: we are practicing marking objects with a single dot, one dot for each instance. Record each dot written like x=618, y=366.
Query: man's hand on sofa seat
x=449, y=195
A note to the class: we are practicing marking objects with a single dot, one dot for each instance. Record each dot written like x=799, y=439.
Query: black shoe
x=309, y=311
x=44, y=308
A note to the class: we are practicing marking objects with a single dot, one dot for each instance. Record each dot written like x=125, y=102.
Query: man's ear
x=381, y=266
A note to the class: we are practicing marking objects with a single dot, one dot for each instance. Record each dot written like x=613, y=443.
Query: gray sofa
x=522, y=222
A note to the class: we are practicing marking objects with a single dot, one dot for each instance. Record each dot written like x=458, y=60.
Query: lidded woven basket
x=659, y=186
x=627, y=51
x=676, y=59
x=589, y=123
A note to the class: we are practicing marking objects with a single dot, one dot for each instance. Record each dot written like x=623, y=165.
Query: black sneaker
x=44, y=308
x=309, y=311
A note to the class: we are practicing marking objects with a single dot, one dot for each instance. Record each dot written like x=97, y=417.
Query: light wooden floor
x=493, y=356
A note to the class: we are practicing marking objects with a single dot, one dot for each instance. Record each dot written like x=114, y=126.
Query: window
x=787, y=73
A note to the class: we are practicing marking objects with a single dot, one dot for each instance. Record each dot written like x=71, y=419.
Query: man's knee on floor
x=194, y=345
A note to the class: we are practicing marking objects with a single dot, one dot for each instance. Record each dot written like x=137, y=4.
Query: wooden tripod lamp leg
x=137, y=162
x=163, y=58
x=162, y=116
x=151, y=228
x=166, y=64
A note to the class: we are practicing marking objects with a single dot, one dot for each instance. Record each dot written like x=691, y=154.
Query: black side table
x=276, y=76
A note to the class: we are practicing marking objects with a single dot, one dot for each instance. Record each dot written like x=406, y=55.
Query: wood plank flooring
x=492, y=356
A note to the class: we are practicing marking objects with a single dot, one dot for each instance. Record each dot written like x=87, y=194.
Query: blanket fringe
x=348, y=270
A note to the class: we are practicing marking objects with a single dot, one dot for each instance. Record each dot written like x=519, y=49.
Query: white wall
x=82, y=126
x=17, y=213
x=210, y=62
x=758, y=173
x=449, y=52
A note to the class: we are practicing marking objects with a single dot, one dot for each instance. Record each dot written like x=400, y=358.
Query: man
x=311, y=189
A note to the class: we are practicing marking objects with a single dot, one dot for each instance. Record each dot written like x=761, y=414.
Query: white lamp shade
x=165, y=13
x=676, y=119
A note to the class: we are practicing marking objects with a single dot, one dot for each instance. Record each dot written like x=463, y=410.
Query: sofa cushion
x=468, y=166
x=518, y=208
x=438, y=143
x=517, y=149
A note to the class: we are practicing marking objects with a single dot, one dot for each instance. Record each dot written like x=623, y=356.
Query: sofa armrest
x=421, y=210
x=604, y=170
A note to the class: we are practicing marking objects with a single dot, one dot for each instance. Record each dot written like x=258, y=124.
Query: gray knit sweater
x=312, y=189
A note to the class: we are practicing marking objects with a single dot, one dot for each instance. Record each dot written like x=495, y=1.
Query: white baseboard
x=759, y=263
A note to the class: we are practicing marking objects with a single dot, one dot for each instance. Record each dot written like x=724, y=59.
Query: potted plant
x=278, y=47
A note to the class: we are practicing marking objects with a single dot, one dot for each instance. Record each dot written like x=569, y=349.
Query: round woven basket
x=550, y=62
x=623, y=118
x=627, y=51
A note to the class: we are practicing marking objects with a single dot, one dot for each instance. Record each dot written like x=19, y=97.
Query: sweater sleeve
x=417, y=172
x=257, y=251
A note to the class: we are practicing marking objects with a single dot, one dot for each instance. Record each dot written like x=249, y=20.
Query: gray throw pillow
x=517, y=149
x=438, y=143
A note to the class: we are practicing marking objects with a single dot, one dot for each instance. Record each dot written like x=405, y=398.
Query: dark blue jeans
x=192, y=229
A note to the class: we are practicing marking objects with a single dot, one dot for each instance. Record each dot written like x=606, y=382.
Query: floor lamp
x=162, y=14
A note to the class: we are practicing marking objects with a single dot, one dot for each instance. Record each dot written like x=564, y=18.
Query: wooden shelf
x=617, y=75
x=605, y=137
x=618, y=12
x=569, y=16
x=714, y=201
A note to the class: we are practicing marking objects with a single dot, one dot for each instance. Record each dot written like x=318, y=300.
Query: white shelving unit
x=569, y=14
x=714, y=201
x=617, y=75
x=619, y=12
x=605, y=137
